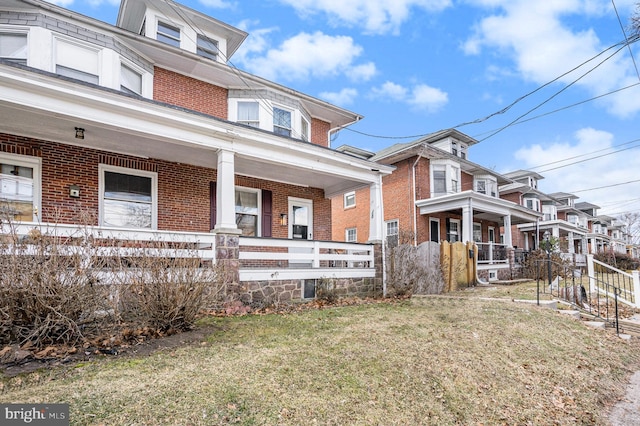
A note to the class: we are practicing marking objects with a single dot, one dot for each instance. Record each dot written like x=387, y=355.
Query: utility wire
x=587, y=159
x=584, y=155
x=606, y=186
x=626, y=38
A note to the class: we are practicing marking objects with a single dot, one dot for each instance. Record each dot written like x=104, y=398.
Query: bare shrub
x=47, y=295
x=413, y=270
x=535, y=265
x=326, y=290
x=163, y=292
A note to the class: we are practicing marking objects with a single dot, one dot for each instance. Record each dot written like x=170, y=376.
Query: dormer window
x=454, y=148
x=207, y=47
x=168, y=34
x=13, y=47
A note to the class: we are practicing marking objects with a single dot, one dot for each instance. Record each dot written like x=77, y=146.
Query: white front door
x=301, y=219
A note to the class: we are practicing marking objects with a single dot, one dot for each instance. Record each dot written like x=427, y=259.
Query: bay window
x=13, y=47
x=281, y=122
x=248, y=113
x=445, y=177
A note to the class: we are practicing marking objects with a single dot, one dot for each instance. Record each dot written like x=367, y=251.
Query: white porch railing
x=492, y=254
x=606, y=279
x=271, y=258
x=186, y=244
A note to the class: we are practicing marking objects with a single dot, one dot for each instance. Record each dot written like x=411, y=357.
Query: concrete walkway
x=627, y=411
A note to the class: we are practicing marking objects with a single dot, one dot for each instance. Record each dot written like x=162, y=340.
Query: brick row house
x=145, y=126
x=436, y=193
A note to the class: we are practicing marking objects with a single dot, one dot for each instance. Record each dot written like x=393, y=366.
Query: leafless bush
x=535, y=266
x=47, y=295
x=63, y=290
x=166, y=293
x=326, y=290
x=413, y=270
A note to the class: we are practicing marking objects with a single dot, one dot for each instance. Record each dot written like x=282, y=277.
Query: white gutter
x=335, y=129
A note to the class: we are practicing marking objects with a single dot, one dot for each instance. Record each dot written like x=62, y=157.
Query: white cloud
x=305, y=56
x=218, y=4
x=374, y=16
x=420, y=96
x=342, y=98
x=537, y=37
x=604, y=171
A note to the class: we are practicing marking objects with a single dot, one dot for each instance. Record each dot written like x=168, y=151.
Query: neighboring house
x=146, y=127
x=435, y=193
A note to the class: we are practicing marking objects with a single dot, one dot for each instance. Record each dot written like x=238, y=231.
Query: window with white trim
x=349, y=200
x=445, y=177
x=168, y=34
x=351, y=235
x=304, y=130
x=128, y=198
x=281, y=121
x=13, y=47
x=439, y=180
x=130, y=80
x=207, y=47
x=453, y=233
x=392, y=232
x=77, y=61
x=249, y=113
x=486, y=185
x=20, y=186
x=248, y=211
x=477, y=232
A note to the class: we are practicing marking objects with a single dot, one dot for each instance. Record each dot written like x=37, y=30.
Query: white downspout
x=384, y=241
x=413, y=206
x=335, y=129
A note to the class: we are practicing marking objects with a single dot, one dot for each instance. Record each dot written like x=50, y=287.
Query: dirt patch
x=15, y=361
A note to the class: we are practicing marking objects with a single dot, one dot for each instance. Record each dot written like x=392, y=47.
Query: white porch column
x=556, y=232
x=526, y=240
x=594, y=246
x=508, y=239
x=376, y=220
x=571, y=246
x=225, y=193
x=467, y=223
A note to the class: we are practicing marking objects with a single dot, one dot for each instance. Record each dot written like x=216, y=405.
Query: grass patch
x=444, y=361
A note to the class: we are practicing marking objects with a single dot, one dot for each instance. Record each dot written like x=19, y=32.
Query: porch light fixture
x=79, y=133
x=283, y=219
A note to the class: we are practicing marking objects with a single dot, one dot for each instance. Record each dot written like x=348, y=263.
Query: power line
x=606, y=186
x=626, y=38
x=585, y=154
x=587, y=159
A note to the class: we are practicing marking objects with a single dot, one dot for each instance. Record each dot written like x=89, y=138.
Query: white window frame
x=457, y=232
x=477, y=226
x=452, y=176
x=351, y=235
x=347, y=197
x=206, y=51
x=76, y=72
x=252, y=123
x=172, y=26
x=394, y=224
x=19, y=33
x=102, y=168
x=305, y=129
x=258, y=193
x=136, y=71
x=34, y=163
x=290, y=129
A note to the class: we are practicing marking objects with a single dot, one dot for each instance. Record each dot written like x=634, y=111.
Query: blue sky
x=412, y=67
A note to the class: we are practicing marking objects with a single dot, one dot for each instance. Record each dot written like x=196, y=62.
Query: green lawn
x=442, y=361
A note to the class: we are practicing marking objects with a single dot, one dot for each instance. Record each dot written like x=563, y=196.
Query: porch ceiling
x=116, y=123
x=484, y=207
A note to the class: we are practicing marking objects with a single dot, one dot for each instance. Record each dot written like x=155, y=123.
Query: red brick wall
x=319, y=132
x=183, y=190
x=187, y=92
x=352, y=217
x=467, y=182
x=513, y=197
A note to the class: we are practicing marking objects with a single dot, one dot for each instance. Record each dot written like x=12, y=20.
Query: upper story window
x=445, y=178
x=486, y=186
x=130, y=80
x=281, y=121
x=207, y=47
x=459, y=149
x=454, y=148
x=349, y=200
x=13, y=47
x=76, y=61
x=248, y=113
x=304, y=130
x=168, y=34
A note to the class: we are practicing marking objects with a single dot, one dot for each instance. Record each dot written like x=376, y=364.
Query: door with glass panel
x=300, y=228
